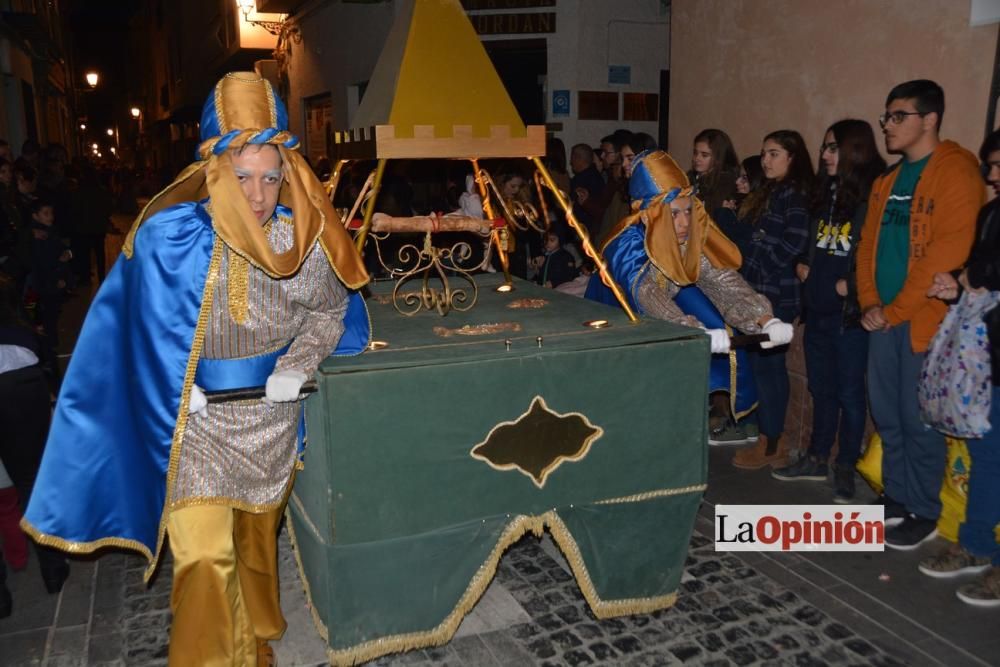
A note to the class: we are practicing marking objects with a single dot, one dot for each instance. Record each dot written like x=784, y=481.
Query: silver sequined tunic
x=740, y=306
x=243, y=453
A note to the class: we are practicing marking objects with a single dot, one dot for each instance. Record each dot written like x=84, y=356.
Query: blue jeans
x=835, y=363
x=913, y=455
x=773, y=390
x=982, y=513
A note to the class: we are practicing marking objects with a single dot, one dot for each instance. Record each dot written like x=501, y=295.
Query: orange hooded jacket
x=947, y=199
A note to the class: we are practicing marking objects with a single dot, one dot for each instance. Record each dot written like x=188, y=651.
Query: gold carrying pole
x=359, y=241
x=499, y=235
x=331, y=183
x=588, y=247
x=541, y=201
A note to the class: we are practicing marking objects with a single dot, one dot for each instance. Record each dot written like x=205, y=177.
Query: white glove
x=720, y=340
x=779, y=332
x=197, y=401
x=284, y=386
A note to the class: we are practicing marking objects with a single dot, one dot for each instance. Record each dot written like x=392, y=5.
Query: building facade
x=35, y=94
x=582, y=68
x=182, y=49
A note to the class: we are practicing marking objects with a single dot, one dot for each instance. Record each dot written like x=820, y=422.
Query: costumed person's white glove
x=284, y=386
x=780, y=333
x=197, y=401
x=720, y=340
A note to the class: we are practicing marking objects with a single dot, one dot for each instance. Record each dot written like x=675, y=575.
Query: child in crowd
x=557, y=265
x=49, y=274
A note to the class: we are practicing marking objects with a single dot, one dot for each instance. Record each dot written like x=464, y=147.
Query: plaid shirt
x=780, y=236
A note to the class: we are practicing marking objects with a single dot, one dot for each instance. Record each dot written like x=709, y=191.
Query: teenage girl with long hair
x=714, y=169
x=779, y=213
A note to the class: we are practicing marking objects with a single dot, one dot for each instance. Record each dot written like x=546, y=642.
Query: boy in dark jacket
x=556, y=266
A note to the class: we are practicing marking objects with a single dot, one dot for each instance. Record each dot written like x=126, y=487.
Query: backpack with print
x=956, y=384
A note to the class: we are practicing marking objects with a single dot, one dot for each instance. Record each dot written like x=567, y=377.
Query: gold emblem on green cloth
x=538, y=442
x=528, y=303
x=477, y=329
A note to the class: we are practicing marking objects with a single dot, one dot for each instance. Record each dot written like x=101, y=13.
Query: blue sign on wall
x=560, y=102
x=619, y=74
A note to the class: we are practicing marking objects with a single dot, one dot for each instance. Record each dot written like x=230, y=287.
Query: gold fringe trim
x=317, y=621
x=601, y=608
x=237, y=287
x=242, y=505
x=649, y=495
x=740, y=415
x=219, y=113
x=83, y=547
x=444, y=631
x=182, y=416
x=271, y=109
x=733, y=370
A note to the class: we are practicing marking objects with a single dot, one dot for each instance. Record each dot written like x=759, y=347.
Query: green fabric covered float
x=430, y=456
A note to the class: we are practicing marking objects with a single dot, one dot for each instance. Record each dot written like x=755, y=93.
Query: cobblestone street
x=728, y=613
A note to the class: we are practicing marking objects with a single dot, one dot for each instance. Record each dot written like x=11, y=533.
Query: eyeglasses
x=898, y=117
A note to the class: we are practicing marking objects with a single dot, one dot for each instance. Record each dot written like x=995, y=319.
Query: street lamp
x=110, y=132
x=92, y=78
x=136, y=112
x=247, y=6
x=83, y=126
x=94, y=146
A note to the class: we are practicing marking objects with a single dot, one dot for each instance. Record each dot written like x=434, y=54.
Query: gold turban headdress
x=243, y=109
x=655, y=182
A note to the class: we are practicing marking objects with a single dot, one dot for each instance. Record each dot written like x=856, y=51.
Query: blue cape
x=628, y=262
x=103, y=477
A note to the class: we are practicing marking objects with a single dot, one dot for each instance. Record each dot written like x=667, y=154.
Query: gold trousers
x=225, y=588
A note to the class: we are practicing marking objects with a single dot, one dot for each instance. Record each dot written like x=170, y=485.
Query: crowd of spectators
x=861, y=253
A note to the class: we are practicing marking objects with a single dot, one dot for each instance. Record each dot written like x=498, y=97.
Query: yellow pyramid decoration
x=435, y=93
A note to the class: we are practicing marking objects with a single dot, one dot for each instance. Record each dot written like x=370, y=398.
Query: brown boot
x=764, y=453
x=265, y=654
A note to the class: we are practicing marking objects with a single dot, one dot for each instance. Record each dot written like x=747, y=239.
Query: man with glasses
x=921, y=221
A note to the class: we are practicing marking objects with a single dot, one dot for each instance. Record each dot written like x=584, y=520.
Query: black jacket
x=983, y=270
x=558, y=268
x=851, y=308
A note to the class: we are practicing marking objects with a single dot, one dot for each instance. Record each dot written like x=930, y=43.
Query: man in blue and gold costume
x=674, y=264
x=239, y=274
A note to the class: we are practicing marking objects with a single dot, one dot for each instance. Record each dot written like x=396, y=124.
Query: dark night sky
x=97, y=31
